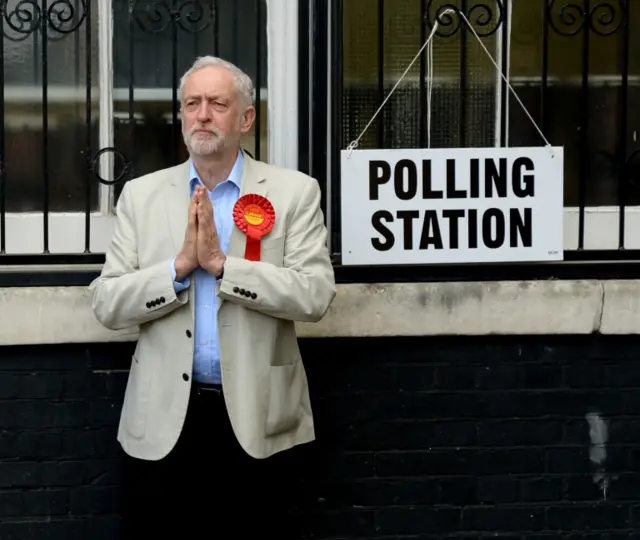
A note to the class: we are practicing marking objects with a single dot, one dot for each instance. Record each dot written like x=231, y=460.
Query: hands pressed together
x=201, y=246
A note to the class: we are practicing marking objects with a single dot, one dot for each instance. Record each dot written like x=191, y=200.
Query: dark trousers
x=208, y=486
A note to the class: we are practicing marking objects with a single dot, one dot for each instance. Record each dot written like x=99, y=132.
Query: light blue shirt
x=206, y=360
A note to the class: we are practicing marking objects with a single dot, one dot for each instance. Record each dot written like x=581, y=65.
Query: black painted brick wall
x=418, y=438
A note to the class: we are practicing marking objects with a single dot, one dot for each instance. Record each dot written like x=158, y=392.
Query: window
x=575, y=65
x=89, y=93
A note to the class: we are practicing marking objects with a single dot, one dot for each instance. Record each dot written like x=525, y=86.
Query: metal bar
x=380, y=72
x=319, y=101
x=584, y=124
x=422, y=121
x=258, y=85
x=35, y=274
x=3, y=170
x=622, y=135
x=462, y=126
x=132, y=121
x=614, y=269
x=175, y=129
x=105, y=85
x=76, y=41
x=216, y=27
x=503, y=47
x=544, y=81
x=336, y=136
x=44, y=22
x=88, y=139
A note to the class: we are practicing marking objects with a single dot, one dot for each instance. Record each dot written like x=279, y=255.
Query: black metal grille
x=572, y=63
x=51, y=102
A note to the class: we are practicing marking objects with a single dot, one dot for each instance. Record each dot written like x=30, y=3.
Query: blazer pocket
x=285, y=395
x=136, y=399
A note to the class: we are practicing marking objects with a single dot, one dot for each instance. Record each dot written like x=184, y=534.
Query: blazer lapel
x=177, y=204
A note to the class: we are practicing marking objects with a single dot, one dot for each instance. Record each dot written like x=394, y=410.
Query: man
x=217, y=385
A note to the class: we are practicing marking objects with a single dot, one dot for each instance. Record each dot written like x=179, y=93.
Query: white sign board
x=452, y=205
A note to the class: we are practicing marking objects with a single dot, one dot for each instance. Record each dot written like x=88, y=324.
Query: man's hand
x=210, y=256
x=187, y=260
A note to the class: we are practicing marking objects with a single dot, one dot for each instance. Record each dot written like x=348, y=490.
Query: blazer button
x=149, y=304
x=254, y=296
x=241, y=291
x=188, y=333
x=185, y=377
x=247, y=294
x=162, y=300
x=235, y=289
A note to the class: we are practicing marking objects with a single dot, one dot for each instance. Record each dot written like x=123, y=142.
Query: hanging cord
x=354, y=144
x=429, y=89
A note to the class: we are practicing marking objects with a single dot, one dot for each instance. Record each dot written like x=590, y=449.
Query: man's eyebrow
x=215, y=97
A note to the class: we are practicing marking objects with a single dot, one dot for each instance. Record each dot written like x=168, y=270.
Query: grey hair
x=244, y=84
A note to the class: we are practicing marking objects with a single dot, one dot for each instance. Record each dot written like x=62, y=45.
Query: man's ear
x=247, y=119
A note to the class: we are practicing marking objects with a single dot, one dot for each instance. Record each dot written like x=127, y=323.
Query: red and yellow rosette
x=254, y=215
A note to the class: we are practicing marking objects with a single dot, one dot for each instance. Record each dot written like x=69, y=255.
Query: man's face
x=213, y=116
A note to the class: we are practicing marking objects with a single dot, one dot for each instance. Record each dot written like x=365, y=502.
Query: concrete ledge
x=42, y=315
x=621, y=309
x=475, y=308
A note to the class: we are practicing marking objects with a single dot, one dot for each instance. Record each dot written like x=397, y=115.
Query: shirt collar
x=235, y=176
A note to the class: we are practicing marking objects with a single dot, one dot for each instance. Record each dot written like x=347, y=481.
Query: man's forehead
x=212, y=77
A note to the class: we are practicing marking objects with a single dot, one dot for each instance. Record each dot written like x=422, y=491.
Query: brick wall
x=418, y=438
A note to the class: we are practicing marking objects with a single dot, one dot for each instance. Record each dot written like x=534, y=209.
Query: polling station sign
x=452, y=205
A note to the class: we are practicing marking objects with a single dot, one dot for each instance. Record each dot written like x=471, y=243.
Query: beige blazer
x=265, y=384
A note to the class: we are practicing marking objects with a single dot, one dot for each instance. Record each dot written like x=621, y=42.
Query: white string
x=354, y=144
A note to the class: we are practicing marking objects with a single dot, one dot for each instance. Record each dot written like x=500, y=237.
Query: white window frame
x=24, y=232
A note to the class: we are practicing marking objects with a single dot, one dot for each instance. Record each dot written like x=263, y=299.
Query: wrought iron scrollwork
x=192, y=16
x=61, y=17
x=95, y=165
x=570, y=18
x=486, y=19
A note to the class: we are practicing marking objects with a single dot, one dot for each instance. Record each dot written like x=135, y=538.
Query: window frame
x=24, y=231
x=601, y=223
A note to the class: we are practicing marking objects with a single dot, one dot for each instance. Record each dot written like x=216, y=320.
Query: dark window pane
x=65, y=140
x=463, y=93
x=584, y=118
x=162, y=42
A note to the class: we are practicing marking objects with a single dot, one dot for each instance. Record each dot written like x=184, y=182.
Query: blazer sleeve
x=125, y=295
x=301, y=290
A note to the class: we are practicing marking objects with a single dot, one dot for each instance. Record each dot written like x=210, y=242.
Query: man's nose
x=203, y=113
